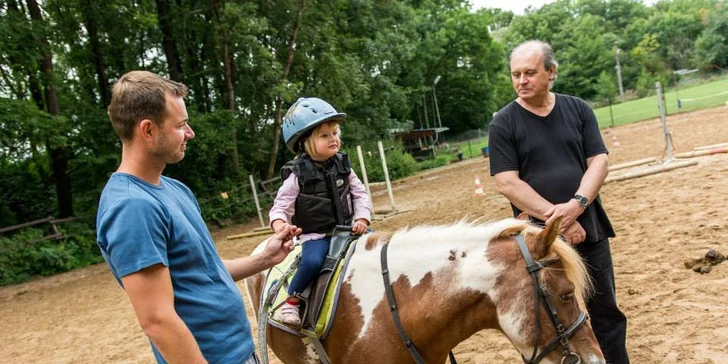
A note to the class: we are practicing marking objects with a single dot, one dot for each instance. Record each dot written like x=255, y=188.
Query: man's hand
x=569, y=211
x=280, y=244
x=574, y=234
x=359, y=227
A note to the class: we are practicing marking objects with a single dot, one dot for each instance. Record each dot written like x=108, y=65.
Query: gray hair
x=549, y=60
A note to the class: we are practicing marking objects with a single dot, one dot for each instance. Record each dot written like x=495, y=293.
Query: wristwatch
x=583, y=201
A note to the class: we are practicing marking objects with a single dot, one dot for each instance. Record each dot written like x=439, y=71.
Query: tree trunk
x=205, y=54
x=58, y=154
x=35, y=90
x=93, y=34
x=279, y=102
x=228, y=60
x=33, y=84
x=195, y=72
x=231, y=105
x=170, y=47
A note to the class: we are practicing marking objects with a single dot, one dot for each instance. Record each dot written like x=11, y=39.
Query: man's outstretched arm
x=277, y=248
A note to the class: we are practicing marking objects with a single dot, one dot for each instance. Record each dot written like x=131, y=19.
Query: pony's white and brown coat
x=449, y=282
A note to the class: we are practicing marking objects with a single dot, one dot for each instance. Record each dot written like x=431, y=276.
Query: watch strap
x=583, y=201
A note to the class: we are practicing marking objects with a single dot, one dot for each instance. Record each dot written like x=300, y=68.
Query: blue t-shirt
x=139, y=225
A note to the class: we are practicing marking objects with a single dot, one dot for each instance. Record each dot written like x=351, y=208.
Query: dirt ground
x=675, y=315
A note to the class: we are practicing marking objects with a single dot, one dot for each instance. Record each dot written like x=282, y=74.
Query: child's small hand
x=359, y=227
x=279, y=225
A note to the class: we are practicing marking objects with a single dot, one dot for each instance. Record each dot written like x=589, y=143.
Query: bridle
x=540, y=291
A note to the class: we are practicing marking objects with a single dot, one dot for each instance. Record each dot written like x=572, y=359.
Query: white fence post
x=386, y=174
x=257, y=203
x=364, y=176
x=668, y=140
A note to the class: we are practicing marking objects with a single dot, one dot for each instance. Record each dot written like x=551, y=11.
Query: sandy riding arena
x=675, y=314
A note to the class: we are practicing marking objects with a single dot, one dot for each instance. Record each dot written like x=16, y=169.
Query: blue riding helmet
x=303, y=116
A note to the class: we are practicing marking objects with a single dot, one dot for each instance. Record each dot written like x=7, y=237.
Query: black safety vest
x=325, y=197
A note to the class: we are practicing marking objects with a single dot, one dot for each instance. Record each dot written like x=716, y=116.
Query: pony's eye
x=567, y=296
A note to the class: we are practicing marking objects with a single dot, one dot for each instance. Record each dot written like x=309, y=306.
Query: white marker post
x=257, y=203
x=364, y=175
x=668, y=141
x=386, y=174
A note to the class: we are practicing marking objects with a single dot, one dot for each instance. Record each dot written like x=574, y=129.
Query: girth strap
x=263, y=311
x=321, y=351
x=395, y=313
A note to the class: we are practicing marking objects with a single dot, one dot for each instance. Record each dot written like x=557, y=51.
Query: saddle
x=320, y=298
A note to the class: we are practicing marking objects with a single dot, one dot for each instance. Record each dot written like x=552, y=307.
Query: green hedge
x=399, y=164
x=438, y=161
x=19, y=260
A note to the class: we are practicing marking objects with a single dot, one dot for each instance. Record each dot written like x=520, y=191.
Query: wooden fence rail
x=55, y=235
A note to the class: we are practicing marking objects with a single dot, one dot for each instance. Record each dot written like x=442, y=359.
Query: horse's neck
x=436, y=275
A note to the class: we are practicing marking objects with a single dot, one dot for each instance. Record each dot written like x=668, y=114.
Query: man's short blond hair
x=140, y=95
x=310, y=144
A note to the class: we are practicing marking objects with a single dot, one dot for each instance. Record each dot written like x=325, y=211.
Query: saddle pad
x=283, y=272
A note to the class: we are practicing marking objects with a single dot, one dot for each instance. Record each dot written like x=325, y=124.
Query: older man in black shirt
x=548, y=158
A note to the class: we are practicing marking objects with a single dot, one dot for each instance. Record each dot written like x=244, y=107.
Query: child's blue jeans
x=313, y=254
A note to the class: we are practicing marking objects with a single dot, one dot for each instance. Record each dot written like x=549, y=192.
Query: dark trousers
x=608, y=321
x=313, y=254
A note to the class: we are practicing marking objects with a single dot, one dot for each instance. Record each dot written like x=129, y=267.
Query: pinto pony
x=450, y=282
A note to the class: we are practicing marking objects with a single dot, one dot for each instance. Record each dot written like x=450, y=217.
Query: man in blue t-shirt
x=548, y=158
x=152, y=235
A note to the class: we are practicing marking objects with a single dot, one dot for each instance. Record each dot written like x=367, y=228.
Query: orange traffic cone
x=478, y=187
x=615, y=142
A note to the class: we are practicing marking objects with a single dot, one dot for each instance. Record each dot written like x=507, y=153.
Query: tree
x=168, y=40
x=606, y=90
x=57, y=151
x=228, y=63
x=711, y=47
x=91, y=24
x=291, y=51
x=587, y=50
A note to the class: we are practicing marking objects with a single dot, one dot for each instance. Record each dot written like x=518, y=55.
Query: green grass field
x=471, y=148
x=693, y=98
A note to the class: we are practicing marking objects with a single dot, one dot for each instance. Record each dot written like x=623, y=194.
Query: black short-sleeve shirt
x=550, y=154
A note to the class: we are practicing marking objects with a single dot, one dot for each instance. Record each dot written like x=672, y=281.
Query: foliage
x=711, y=47
x=399, y=163
x=606, y=86
x=438, y=161
x=654, y=40
x=20, y=260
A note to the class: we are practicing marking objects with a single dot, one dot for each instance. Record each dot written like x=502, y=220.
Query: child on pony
x=319, y=191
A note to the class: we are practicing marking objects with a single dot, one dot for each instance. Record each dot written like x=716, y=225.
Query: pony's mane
x=574, y=267
x=460, y=230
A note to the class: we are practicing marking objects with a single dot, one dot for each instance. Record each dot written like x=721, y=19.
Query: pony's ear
x=545, y=238
x=523, y=216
